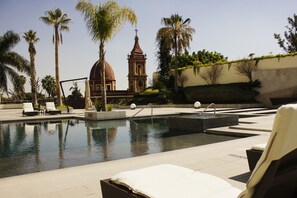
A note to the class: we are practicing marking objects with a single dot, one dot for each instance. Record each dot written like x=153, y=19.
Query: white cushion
x=50, y=106
x=27, y=107
x=259, y=147
x=175, y=182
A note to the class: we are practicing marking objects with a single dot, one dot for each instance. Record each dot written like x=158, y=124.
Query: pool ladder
x=214, y=107
x=150, y=105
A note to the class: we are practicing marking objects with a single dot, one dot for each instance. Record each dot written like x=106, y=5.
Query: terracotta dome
x=95, y=73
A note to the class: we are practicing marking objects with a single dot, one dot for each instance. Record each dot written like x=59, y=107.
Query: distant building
x=137, y=77
x=95, y=79
x=137, y=68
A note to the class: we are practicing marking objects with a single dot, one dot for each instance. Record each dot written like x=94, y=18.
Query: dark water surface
x=49, y=145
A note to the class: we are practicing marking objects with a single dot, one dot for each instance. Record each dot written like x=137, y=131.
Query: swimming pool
x=28, y=147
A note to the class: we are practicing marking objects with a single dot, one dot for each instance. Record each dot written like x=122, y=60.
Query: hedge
x=226, y=93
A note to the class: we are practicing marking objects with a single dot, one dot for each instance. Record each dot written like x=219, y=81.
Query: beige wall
x=230, y=75
x=276, y=83
x=277, y=77
x=278, y=63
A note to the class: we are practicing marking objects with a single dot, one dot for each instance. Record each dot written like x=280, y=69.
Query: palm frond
x=8, y=41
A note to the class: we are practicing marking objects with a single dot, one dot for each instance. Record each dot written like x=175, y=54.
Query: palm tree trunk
x=103, y=82
x=175, y=65
x=33, y=81
x=59, y=99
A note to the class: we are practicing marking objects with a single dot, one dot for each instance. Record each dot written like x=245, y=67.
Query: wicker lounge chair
x=274, y=176
x=28, y=110
x=50, y=108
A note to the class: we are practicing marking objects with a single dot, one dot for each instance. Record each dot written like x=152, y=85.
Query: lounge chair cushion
x=172, y=181
x=50, y=106
x=29, y=110
x=259, y=147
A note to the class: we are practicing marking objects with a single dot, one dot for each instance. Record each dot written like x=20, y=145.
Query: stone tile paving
x=226, y=160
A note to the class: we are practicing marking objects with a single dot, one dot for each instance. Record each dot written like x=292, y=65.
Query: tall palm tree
x=10, y=61
x=60, y=21
x=103, y=21
x=178, y=34
x=32, y=38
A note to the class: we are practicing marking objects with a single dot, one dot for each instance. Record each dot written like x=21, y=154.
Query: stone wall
x=276, y=83
x=277, y=76
x=11, y=106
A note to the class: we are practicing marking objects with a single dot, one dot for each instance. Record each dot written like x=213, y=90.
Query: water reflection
x=104, y=138
x=47, y=145
x=138, y=138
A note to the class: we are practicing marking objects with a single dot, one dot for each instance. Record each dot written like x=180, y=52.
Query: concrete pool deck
x=226, y=160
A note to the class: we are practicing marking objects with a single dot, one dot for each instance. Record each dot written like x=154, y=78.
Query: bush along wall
x=144, y=99
x=223, y=93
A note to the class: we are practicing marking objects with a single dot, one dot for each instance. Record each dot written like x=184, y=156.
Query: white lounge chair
x=28, y=109
x=50, y=108
x=274, y=176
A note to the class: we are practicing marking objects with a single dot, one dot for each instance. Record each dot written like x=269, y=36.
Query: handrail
x=137, y=112
x=212, y=104
x=152, y=111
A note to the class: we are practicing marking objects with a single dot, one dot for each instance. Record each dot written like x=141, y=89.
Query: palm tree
x=48, y=83
x=31, y=38
x=178, y=35
x=103, y=21
x=19, y=89
x=10, y=62
x=60, y=21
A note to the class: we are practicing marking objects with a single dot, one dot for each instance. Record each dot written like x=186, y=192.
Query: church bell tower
x=137, y=77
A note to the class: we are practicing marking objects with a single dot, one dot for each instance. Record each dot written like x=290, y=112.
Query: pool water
x=49, y=145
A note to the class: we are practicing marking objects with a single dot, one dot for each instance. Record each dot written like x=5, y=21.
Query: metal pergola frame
x=61, y=82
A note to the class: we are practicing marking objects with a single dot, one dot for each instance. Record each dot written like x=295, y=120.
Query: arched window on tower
x=139, y=69
x=97, y=87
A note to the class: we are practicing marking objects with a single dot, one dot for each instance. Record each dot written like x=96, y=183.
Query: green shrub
x=226, y=93
x=97, y=105
x=109, y=107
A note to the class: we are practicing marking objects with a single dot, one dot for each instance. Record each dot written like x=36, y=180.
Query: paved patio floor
x=226, y=160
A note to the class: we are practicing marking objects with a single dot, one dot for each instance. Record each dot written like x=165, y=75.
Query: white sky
x=234, y=28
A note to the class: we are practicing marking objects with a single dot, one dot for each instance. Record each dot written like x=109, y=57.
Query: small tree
x=246, y=67
x=164, y=59
x=48, y=83
x=212, y=74
x=289, y=44
x=206, y=57
x=75, y=91
x=19, y=90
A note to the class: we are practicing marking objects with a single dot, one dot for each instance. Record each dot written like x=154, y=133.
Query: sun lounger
x=274, y=176
x=167, y=180
x=254, y=154
x=28, y=110
x=50, y=108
